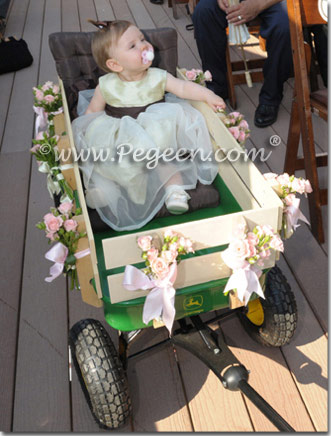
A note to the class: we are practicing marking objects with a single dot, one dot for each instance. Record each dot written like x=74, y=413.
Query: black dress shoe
x=156, y=2
x=265, y=115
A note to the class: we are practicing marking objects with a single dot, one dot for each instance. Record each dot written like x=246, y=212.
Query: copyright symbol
x=275, y=140
x=45, y=149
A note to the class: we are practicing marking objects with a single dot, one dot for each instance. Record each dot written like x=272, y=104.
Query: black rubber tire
x=100, y=373
x=280, y=312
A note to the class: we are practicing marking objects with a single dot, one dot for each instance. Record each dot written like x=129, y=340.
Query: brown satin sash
x=119, y=112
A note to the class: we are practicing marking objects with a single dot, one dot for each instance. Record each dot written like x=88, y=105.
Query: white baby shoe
x=176, y=201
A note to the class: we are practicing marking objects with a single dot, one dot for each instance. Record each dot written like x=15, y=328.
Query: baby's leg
x=176, y=198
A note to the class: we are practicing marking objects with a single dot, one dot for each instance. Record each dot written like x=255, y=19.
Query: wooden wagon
x=202, y=275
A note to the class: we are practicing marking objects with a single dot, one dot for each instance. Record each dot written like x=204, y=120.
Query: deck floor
x=168, y=393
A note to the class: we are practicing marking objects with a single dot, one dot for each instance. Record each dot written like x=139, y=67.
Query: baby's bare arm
x=97, y=103
x=193, y=91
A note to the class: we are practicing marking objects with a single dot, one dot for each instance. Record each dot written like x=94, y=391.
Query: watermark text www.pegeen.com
x=154, y=156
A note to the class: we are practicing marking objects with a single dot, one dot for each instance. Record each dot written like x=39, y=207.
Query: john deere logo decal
x=193, y=303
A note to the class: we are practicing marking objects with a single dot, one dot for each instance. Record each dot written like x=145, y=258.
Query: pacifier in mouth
x=147, y=55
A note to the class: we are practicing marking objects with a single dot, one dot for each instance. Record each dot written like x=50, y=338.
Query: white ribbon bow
x=160, y=302
x=245, y=277
x=58, y=254
x=293, y=214
x=41, y=119
x=53, y=186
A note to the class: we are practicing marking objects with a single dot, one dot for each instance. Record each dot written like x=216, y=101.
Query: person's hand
x=246, y=11
x=223, y=4
x=215, y=102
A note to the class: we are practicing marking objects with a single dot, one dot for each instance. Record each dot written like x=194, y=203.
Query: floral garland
x=286, y=187
x=161, y=259
x=246, y=252
x=46, y=153
x=60, y=226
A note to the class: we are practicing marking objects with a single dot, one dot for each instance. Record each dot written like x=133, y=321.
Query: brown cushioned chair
x=77, y=69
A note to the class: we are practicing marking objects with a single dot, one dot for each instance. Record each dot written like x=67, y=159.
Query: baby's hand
x=215, y=102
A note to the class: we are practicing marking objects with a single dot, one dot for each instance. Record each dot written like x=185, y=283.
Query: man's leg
x=209, y=30
x=278, y=66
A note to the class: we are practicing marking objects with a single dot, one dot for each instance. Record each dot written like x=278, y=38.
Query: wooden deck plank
x=227, y=413
x=52, y=23
x=140, y=14
x=158, y=400
x=14, y=138
x=270, y=377
x=42, y=395
x=121, y=10
x=86, y=10
x=161, y=19
x=70, y=17
x=15, y=24
x=14, y=171
x=306, y=357
x=187, y=35
x=104, y=10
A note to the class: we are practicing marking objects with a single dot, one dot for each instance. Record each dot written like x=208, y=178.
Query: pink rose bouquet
x=161, y=259
x=46, y=153
x=246, y=252
x=198, y=76
x=48, y=97
x=286, y=187
x=238, y=127
x=60, y=226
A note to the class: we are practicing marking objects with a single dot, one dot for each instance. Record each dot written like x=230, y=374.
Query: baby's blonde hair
x=105, y=39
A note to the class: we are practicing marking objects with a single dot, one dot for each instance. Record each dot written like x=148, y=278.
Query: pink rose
x=234, y=131
x=252, y=239
x=144, y=242
x=283, y=179
x=235, y=115
x=308, y=188
x=268, y=230
x=169, y=233
x=270, y=176
x=242, y=136
x=53, y=223
x=35, y=148
x=252, y=250
x=244, y=125
x=152, y=254
x=276, y=243
x=191, y=75
x=52, y=236
x=49, y=98
x=173, y=246
x=56, y=89
x=289, y=199
x=70, y=225
x=39, y=95
x=169, y=256
x=189, y=246
x=48, y=85
x=240, y=248
x=160, y=267
x=208, y=76
x=65, y=207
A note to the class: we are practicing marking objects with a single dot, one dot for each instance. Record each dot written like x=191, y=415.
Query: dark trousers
x=4, y=5
x=210, y=32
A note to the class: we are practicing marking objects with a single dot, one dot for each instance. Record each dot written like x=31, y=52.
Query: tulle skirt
x=129, y=165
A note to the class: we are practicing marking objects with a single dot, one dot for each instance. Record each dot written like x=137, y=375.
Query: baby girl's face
x=129, y=48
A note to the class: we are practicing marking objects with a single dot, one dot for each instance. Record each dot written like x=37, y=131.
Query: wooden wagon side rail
x=86, y=266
